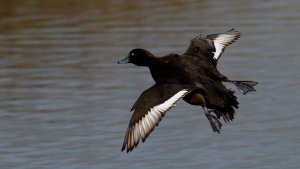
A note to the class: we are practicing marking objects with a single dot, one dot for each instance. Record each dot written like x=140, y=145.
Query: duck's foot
x=214, y=122
x=244, y=86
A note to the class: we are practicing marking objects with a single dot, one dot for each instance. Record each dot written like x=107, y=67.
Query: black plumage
x=192, y=77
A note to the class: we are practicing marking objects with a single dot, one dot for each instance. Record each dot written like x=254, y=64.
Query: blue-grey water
x=64, y=102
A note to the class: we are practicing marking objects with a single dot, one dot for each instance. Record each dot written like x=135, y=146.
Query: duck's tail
x=244, y=86
x=228, y=109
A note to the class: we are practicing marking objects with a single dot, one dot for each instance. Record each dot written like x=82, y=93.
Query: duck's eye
x=132, y=54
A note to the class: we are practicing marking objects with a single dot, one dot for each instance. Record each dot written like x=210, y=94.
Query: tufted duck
x=173, y=82
x=192, y=77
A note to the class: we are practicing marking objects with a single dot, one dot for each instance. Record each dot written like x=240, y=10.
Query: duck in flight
x=192, y=77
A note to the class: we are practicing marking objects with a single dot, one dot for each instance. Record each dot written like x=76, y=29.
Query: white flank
x=221, y=42
x=143, y=127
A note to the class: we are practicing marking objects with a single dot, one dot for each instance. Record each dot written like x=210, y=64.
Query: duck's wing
x=212, y=46
x=149, y=109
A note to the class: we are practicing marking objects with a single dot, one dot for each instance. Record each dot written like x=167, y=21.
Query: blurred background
x=64, y=102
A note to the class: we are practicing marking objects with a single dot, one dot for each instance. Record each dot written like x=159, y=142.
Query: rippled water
x=64, y=102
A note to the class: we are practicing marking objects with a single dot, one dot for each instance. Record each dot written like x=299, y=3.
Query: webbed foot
x=214, y=122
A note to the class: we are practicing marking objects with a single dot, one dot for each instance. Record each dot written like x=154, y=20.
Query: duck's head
x=139, y=57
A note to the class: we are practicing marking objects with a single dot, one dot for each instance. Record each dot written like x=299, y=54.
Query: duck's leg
x=198, y=99
x=213, y=120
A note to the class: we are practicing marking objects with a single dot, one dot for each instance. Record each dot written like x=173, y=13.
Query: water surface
x=64, y=102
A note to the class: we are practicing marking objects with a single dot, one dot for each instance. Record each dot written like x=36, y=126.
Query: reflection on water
x=64, y=102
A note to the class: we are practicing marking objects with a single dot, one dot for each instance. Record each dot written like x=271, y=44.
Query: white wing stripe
x=221, y=42
x=132, y=137
x=143, y=127
x=158, y=114
x=142, y=131
x=147, y=122
x=153, y=121
x=155, y=116
x=137, y=134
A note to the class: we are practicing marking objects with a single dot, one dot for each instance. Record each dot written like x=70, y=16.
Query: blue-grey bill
x=124, y=61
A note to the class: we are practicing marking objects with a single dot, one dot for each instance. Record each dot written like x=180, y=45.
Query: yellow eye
x=132, y=54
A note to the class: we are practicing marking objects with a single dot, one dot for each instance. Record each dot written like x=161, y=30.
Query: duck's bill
x=124, y=61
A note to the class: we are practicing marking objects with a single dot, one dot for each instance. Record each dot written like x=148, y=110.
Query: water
x=64, y=102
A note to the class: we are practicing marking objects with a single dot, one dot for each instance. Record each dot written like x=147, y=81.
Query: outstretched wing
x=149, y=109
x=212, y=46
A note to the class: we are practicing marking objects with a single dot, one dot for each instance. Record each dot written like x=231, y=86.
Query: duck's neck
x=148, y=60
